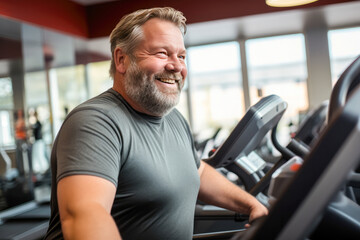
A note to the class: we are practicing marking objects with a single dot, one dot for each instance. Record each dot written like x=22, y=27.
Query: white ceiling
x=292, y=21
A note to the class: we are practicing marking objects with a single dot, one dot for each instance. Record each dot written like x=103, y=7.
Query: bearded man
x=124, y=164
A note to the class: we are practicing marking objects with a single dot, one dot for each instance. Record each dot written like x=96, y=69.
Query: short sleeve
x=89, y=143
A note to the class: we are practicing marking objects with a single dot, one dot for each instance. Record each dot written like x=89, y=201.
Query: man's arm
x=217, y=190
x=85, y=203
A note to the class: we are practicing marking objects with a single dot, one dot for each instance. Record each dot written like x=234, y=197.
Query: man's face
x=155, y=77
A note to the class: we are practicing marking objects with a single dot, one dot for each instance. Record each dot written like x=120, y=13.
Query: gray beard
x=142, y=89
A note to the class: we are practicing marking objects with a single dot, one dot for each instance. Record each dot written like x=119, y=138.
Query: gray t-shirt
x=151, y=161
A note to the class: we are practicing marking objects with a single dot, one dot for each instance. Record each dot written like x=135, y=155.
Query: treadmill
x=315, y=192
x=21, y=217
x=312, y=205
x=236, y=155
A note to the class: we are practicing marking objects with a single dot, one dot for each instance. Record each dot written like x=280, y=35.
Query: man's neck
x=120, y=89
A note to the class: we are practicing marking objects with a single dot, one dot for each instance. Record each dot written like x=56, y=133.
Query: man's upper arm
x=85, y=205
x=201, y=168
x=78, y=191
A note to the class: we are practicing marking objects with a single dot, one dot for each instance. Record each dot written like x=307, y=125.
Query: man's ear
x=119, y=60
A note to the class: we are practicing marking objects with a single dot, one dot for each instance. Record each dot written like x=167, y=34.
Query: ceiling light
x=287, y=3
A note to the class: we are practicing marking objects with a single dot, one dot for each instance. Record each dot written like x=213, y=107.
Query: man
x=124, y=164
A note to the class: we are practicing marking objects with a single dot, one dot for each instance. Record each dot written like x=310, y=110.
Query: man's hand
x=257, y=211
x=217, y=190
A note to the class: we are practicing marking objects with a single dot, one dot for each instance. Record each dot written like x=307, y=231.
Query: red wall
x=62, y=15
x=102, y=18
x=98, y=20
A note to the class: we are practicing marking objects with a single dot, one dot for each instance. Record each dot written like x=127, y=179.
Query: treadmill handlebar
x=250, y=131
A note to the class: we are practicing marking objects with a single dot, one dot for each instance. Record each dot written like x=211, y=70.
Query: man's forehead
x=159, y=24
x=159, y=29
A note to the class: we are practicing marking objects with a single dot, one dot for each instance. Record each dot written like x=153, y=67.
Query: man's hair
x=128, y=33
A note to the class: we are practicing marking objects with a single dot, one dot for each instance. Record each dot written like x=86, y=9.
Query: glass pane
x=68, y=89
x=6, y=94
x=214, y=58
x=37, y=101
x=7, y=128
x=216, y=86
x=344, y=47
x=99, y=78
x=183, y=105
x=277, y=65
x=6, y=109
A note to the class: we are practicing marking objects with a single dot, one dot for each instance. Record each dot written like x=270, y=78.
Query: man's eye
x=182, y=57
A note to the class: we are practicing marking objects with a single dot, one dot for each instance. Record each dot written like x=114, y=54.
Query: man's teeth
x=166, y=80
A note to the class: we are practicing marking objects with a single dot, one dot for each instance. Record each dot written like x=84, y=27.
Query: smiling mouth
x=167, y=80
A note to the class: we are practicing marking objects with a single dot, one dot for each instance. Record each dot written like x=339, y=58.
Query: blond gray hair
x=128, y=33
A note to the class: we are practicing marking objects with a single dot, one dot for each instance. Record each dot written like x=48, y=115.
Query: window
x=6, y=93
x=99, y=78
x=344, y=47
x=68, y=89
x=277, y=65
x=6, y=110
x=7, y=129
x=215, y=86
x=37, y=99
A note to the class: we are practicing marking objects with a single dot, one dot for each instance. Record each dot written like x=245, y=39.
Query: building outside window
x=37, y=99
x=98, y=77
x=344, y=47
x=215, y=87
x=6, y=113
x=277, y=65
x=67, y=89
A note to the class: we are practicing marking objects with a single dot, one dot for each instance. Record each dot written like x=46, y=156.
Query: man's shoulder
x=107, y=99
x=175, y=118
x=175, y=115
x=106, y=107
x=106, y=103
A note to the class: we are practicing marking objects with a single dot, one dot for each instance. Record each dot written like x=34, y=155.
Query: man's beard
x=142, y=89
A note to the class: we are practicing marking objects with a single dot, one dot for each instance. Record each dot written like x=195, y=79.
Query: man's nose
x=174, y=65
